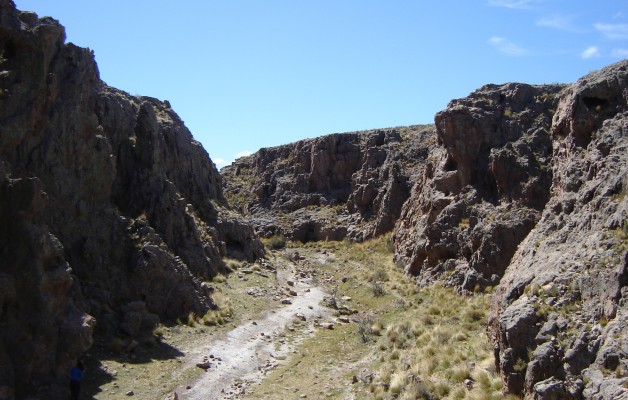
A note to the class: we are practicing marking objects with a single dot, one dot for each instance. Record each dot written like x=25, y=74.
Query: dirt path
x=242, y=355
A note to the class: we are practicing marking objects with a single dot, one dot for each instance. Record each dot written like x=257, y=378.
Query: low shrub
x=277, y=242
x=378, y=288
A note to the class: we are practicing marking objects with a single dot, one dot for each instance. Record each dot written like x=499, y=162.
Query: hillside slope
x=111, y=214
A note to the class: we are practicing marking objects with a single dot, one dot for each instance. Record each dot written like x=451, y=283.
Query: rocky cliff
x=560, y=314
x=484, y=186
x=341, y=185
x=526, y=190
x=518, y=187
x=111, y=214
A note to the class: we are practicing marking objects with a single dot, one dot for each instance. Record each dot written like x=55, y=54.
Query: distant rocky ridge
x=111, y=214
x=348, y=185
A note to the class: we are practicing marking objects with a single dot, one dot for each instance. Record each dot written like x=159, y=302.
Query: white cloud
x=244, y=153
x=620, y=53
x=613, y=31
x=507, y=47
x=514, y=4
x=560, y=22
x=590, y=52
x=221, y=162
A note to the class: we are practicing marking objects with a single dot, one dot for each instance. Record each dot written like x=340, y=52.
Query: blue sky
x=246, y=74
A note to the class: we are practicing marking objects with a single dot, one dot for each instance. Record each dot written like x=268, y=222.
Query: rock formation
x=526, y=189
x=111, y=214
x=571, y=272
x=484, y=186
x=328, y=188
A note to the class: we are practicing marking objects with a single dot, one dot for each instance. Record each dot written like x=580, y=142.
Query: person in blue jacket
x=76, y=375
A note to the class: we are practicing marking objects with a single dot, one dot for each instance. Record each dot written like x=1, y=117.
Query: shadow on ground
x=97, y=373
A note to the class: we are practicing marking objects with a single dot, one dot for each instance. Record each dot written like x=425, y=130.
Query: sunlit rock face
x=483, y=189
x=345, y=185
x=526, y=191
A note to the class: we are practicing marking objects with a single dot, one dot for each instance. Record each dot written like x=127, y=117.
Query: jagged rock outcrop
x=331, y=187
x=111, y=214
x=483, y=189
x=572, y=269
x=527, y=189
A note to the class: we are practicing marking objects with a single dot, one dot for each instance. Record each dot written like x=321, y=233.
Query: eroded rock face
x=572, y=267
x=106, y=201
x=483, y=189
x=527, y=189
x=328, y=188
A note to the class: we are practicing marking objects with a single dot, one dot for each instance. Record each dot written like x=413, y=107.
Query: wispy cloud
x=560, y=22
x=244, y=153
x=619, y=53
x=513, y=4
x=590, y=52
x=613, y=31
x=221, y=162
x=507, y=47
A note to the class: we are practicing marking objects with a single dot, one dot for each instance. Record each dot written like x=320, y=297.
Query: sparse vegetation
x=223, y=312
x=232, y=264
x=220, y=278
x=520, y=365
x=159, y=330
x=410, y=343
x=464, y=224
x=365, y=328
x=276, y=242
x=378, y=288
x=405, y=342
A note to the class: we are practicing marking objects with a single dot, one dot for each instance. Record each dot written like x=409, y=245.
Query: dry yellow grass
x=413, y=344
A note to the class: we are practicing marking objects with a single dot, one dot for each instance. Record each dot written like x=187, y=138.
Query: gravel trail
x=243, y=354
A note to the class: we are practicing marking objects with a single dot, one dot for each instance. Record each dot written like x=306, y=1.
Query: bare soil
x=243, y=355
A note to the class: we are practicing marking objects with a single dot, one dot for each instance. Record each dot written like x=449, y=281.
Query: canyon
x=115, y=221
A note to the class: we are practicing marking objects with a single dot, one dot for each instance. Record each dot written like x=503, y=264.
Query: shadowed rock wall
x=111, y=214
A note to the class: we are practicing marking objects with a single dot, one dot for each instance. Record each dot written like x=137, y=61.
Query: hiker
x=76, y=375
